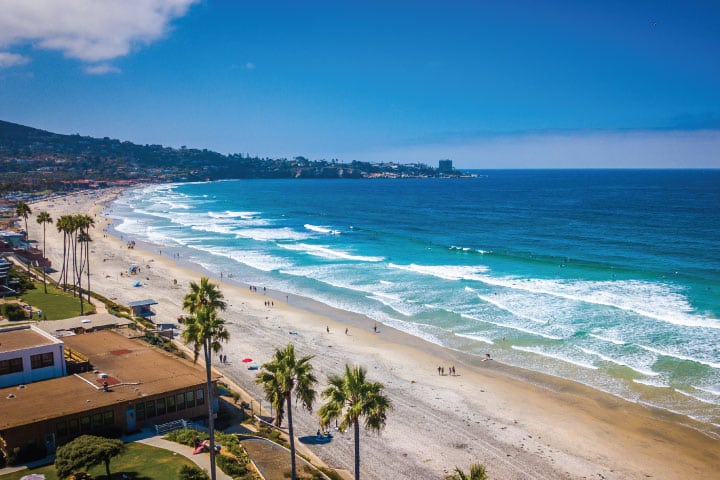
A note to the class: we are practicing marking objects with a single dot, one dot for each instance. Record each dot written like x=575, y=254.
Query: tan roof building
x=132, y=384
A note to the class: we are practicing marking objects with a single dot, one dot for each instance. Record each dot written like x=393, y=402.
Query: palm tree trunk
x=292, y=437
x=44, y=267
x=211, y=420
x=87, y=259
x=356, y=426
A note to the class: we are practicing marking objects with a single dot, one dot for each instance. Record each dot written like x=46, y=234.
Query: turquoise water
x=608, y=278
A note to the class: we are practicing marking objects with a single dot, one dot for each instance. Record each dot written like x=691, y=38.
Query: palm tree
x=23, y=210
x=43, y=219
x=477, y=472
x=63, y=225
x=350, y=397
x=84, y=223
x=205, y=331
x=279, y=378
x=205, y=295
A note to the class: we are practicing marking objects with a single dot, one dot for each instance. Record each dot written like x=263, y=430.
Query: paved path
x=202, y=459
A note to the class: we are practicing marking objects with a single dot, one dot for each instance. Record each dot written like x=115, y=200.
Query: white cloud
x=250, y=66
x=88, y=30
x=100, y=69
x=12, y=59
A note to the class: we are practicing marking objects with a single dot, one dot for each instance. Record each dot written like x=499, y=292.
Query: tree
x=62, y=225
x=84, y=223
x=86, y=451
x=350, y=397
x=23, y=210
x=43, y=219
x=204, y=295
x=279, y=378
x=204, y=330
x=477, y=472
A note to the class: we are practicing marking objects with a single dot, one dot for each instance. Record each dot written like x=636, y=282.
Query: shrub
x=231, y=466
x=13, y=312
x=192, y=473
x=186, y=436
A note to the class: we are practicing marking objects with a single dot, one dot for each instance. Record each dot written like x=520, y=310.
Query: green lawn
x=56, y=304
x=139, y=462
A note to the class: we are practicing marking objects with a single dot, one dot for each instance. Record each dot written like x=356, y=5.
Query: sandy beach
x=519, y=424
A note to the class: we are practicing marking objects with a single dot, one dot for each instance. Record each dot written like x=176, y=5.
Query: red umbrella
x=246, y=360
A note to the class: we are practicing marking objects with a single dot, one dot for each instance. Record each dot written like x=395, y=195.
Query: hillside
x=33, y=159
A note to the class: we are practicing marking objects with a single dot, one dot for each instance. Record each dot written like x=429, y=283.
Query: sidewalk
x=202, y=459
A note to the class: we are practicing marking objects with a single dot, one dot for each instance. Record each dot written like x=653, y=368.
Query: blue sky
x=501, y=84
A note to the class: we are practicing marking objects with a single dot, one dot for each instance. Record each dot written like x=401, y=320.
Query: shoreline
x=520, y=424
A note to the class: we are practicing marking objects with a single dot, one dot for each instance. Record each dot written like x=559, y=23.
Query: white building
x=28, y=354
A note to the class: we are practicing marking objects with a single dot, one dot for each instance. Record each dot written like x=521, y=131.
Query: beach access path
x=202, y=460
x=519, y=424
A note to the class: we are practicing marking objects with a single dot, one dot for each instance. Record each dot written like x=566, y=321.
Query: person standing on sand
x=346, y=331
x=327, y=328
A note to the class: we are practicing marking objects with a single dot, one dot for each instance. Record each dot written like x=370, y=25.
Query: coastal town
x=34, y=160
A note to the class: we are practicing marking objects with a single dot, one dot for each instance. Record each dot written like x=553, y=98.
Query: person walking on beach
x=327, y=328
x=346, y=331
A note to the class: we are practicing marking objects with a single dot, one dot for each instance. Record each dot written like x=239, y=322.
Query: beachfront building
x=142, y=308
x=28, y=354
x=131, y=385
x=4, y=277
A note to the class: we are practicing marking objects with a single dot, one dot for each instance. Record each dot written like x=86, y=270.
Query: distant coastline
x=35, y=160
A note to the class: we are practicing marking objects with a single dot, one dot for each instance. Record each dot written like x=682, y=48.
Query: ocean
x=609, y=278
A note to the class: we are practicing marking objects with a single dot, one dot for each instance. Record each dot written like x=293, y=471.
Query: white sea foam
x=446, y=272
x=319, y=229
x=651, y=300
x=616, y=361
x=329, y=253
x=696, y=397
x=679, y=356
x=607, y=339
x=543, y=353
x=396, y=303
x=476, y=337
x=231, y=214
x=270, y=234
x=652, y=382
x=252, y=258
x=708, y=390
x=513, y=327
x=512, y=311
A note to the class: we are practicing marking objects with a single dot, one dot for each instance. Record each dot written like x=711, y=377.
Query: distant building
x=445, y=166
x=130, y=385
x=28, y=354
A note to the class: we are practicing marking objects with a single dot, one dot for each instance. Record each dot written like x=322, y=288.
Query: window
x=171, y=404
x=190, y=399
x=108, y=418
x=73, y=427
x=180, y=400
x=200, y=397
x=61, y=429
x=150, y=408
x=160, y=406
x=42, y=360
x=12, y=365
x=85, y=424
x=97, y=420
x=140, y=411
